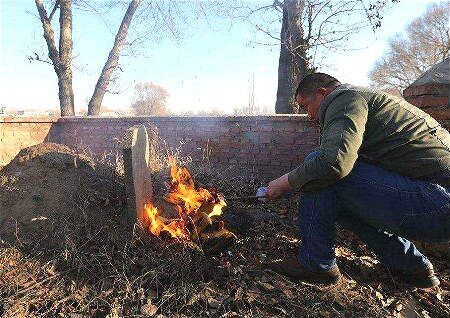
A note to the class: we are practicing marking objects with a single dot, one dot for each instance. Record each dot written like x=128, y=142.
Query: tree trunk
x=62, y=60
x=112, y=61
x=282, y=103
x=66, y=99
x=293, y=61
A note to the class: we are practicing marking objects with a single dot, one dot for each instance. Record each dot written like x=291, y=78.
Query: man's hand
x=277, y=187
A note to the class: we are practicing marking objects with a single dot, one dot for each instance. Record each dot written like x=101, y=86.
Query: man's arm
x=342, y=136
x=278, y=186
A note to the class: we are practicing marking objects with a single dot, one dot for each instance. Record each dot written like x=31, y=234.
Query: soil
x=66, y=250
x=47, y=183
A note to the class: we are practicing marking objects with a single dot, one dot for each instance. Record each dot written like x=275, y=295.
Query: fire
x=158, y=223
x=190, y=202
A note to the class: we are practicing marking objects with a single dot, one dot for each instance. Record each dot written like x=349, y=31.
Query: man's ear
x=322, y=91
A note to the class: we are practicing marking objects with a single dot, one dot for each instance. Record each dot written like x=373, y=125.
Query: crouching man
x=382, y=171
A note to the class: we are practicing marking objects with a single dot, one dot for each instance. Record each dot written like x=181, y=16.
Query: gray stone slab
x=138, y=180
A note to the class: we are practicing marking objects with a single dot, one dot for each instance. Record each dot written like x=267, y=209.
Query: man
x=382, y=171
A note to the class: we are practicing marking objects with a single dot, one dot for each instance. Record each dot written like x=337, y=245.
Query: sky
x=208, y=69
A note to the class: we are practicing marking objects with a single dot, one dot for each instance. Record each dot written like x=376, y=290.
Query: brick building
x=430, y=92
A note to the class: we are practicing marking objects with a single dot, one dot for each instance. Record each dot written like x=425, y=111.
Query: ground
x=66, y=250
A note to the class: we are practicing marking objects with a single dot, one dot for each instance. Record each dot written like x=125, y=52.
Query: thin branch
x=54, y=10
x=169, y=26
x=37, y=58
x=48, y=34
x=267, y=33
x=313, y=18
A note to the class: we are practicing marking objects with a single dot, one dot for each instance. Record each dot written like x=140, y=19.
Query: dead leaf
x=51, y=270
x=141, y=293
x=351, y=283
x=425, y=314
x=106, y=293
x=238, y=294
x=287, y=293
x=388, y=302
x=149, y=309
x=194, y=298
x=208, y=292
x=266, y=286
x=379, y=295
x=213, y=303
x=439, y=294
x=284, y=312
x=251, y=296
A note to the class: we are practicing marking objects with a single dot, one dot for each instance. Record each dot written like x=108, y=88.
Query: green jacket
x=386, y=130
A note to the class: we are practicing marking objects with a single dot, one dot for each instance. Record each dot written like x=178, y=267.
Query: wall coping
x=69, y=119
x=31, y=120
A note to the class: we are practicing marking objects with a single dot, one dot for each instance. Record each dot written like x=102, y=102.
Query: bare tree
x=113, y=60
x=252, y=107
x=149, y=99
x=60, y=58
x=310, y=30
x=292, y=61
x=426, y=42
x=156, y=19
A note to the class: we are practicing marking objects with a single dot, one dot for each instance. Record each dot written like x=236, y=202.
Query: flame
x=158, y=223
x=184, y=195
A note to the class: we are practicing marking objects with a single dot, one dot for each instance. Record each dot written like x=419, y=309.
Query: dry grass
x=93, y=264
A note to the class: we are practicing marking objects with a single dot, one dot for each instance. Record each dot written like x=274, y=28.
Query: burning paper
x=196, y=207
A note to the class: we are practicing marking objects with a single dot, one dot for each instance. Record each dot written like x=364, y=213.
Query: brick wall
x=16, y=134
x=268, y=144
x=432, y=98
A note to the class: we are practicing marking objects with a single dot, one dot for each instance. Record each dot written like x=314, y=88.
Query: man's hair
x=310, y=83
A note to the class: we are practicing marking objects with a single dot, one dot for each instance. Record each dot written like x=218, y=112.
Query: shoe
x=420, y=279
x=292, y=268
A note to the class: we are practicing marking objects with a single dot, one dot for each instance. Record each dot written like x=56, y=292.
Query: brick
x=270, y=144
x=430, y=89
x=426, y=101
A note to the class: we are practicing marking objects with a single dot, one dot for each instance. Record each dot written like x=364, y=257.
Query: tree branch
x=49, y=37
x=113, y=60
x=267, y=33
x=37, y=58
x=53, y=10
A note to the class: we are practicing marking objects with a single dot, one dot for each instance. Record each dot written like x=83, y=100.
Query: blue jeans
x=382, y=208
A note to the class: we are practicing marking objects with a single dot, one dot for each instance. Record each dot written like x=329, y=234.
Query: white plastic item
x=261, y=193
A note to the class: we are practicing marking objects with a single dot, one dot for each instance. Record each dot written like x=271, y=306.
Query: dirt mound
x=66, y=251
x=49, y=183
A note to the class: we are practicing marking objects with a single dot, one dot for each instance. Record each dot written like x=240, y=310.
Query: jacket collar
x=329, y=98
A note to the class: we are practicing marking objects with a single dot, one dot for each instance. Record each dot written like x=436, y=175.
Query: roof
x=437, y=74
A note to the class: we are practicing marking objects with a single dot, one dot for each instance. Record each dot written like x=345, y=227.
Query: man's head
x=312, y=90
